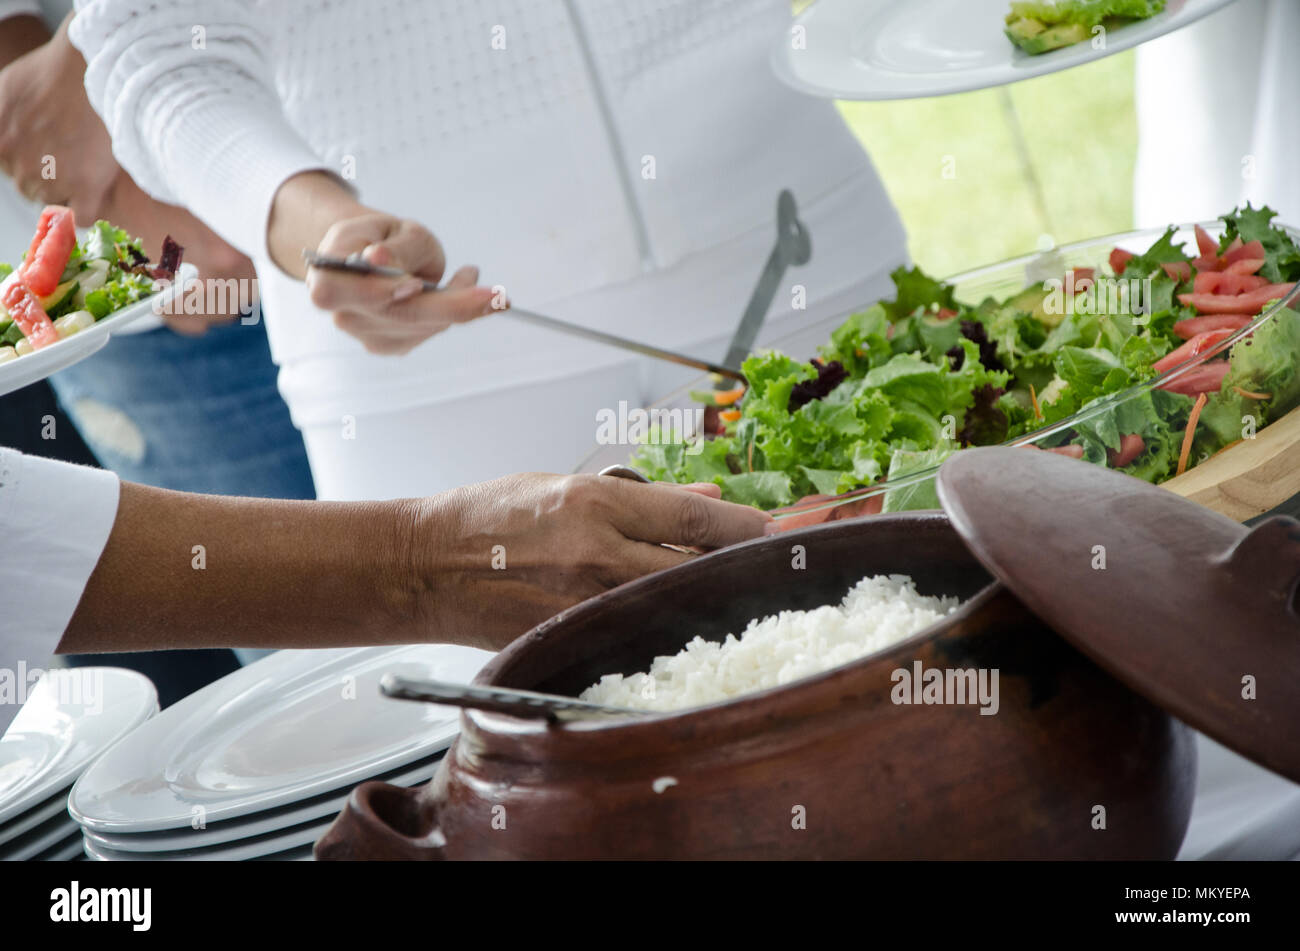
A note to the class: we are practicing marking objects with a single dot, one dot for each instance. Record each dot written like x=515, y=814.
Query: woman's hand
x=388, y=315
x=52, y=144
x=505, y=555
x=478, y=565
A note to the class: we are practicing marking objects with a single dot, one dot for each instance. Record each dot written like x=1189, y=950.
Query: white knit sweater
x=598, y=159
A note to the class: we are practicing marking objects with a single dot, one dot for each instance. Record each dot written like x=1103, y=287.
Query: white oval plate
x=15, y=374
x=887, y=49
x=161, y=844
x=70, y=717
x=66, y=850
x=285, y=728
x=44, y=837
x=239, y=851
x=34, y=817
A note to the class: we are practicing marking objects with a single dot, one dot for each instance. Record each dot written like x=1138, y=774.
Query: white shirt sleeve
x=55, y=519
x=187, y=92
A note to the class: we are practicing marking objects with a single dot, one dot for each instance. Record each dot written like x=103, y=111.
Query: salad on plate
x=63, y=286
x=1150, y=365
x=1040, y=26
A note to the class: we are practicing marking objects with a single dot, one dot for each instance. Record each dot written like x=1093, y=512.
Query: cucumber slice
x=60, y=298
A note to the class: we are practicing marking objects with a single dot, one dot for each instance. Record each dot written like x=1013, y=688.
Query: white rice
x=876, y=613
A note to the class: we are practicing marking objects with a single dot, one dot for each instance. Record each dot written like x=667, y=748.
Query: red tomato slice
x=1130, y=447
x=810, y=518
x=1202, y=379
x=1253, y=250
x=1240, y=283
x=1207, y=282
x=1207, y=263
x=56, y=236
x=868, y=506
x=1080, y=278
x=944, y=313
x=1236, y=243
x=26, y=312
x=1244, y=266
x=1189, y=328
x=1206, y=244
x=1119, y=259
x=1226, y=282
x=1251, y=303
x=1196, y=344
x=1178, y=270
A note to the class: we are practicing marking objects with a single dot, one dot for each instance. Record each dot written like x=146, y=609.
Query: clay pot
x=1073, y=765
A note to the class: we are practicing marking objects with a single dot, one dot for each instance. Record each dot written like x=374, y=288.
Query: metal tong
x=356, y=265
x=516, y=703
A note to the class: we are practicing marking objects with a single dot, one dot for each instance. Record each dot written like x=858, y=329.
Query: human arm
x=478, y=565
x=56, y=150
x=207, y=129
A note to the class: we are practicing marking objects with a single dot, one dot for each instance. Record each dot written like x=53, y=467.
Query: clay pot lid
x=1188, y=608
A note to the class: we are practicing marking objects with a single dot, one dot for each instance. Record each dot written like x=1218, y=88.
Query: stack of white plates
x=258, y=764
x=69, y=718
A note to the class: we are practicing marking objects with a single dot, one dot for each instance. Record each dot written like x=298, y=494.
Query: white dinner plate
x=887, y=49
x=220, y=833
x=15, y=374
x=286, y=728
x=64, y=851
x=241, y=850
x=71, y=716
x=34, y=816
x=44, y=837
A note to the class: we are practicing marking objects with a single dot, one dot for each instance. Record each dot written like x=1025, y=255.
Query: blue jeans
x=195, y=414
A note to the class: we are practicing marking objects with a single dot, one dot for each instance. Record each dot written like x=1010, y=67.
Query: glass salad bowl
x=911, y=486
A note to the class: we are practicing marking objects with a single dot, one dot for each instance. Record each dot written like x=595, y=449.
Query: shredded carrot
x=1192, y=420
x=1250, y=395
x=749, y=457
x=727, y=397
x=1033, y=398
x=729, y=415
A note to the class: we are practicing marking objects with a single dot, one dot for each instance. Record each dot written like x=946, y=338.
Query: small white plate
x=887, y=49
x=44, y=837
x=239, y=851
x=33, y=817
x=64, y=851
x=70, y=717
x=162, y=844
x=286, y=728
x=15, y=374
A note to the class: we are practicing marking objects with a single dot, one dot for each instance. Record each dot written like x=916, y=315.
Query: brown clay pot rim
x=722, y=714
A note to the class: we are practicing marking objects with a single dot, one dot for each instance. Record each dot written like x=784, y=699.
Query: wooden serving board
x=1251, y=478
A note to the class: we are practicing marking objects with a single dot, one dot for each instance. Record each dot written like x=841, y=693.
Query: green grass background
x=1048, y=156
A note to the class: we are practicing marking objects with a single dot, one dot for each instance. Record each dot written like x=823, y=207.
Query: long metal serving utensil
x=356, y=265
x=793, y=247
x=516, y=703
